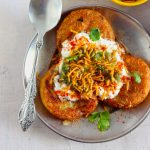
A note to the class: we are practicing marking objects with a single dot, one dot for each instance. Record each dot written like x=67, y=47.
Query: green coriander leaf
x=103, y=125
x=98, y=56
x=108, y=55
x=136, y=77
x=117, y=77
x=93, y=117
x=105, y=115
x=62, y=75
x=104, y=121
x=65, y=80
x=94, y=34
x=65, y=67
x=72, y=58
x=101, y=68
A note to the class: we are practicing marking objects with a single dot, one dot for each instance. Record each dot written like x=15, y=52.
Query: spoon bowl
x=43, y=16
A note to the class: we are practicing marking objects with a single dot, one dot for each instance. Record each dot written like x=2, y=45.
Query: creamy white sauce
x=60, y=87
x=110, y=47
x=101, y=91
x=124, y=73
x=60, y=65
x=82, y=34
x=118, y=58
x=111, y=94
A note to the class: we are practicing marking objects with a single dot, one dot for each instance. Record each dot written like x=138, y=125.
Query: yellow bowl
x=127, y=3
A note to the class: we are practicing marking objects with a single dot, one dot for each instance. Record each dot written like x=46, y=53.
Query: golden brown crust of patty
x=137, y=92
x=83, y=20
x=56, y=107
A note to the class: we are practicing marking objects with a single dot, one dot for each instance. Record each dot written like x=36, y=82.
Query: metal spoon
x=44, y=15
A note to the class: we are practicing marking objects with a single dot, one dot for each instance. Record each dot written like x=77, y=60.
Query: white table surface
x=15, y=35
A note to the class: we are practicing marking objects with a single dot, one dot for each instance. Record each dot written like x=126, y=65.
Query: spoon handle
x=27, y=111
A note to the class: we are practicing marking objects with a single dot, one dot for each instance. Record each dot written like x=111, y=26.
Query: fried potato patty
x=64, y=110
x=83, y=20
x=137, y=92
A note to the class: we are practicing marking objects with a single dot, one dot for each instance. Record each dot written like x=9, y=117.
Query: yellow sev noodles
x=83, y=74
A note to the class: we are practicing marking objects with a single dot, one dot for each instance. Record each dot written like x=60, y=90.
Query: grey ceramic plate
x=132, y=34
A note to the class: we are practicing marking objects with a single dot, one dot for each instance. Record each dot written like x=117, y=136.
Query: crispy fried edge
x=137, y=92
x=82, y=108
x=68, y=23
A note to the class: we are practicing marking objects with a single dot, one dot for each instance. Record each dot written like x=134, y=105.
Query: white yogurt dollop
x=67, y=95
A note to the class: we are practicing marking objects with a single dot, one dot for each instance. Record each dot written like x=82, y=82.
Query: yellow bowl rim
x=129, y=3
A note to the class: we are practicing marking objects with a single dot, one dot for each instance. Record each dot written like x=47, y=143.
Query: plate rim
x=51, y=127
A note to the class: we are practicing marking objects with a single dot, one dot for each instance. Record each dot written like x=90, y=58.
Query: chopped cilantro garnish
x=93, y=117
x=94, y=34
x=98, y=56
x=101, y=68
x=117, y=77
x=103, y=119
x=108, y=55
x=136, y=77
x=65, y=80
x=103, y=125
x=65, y=67
x=72, y=58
